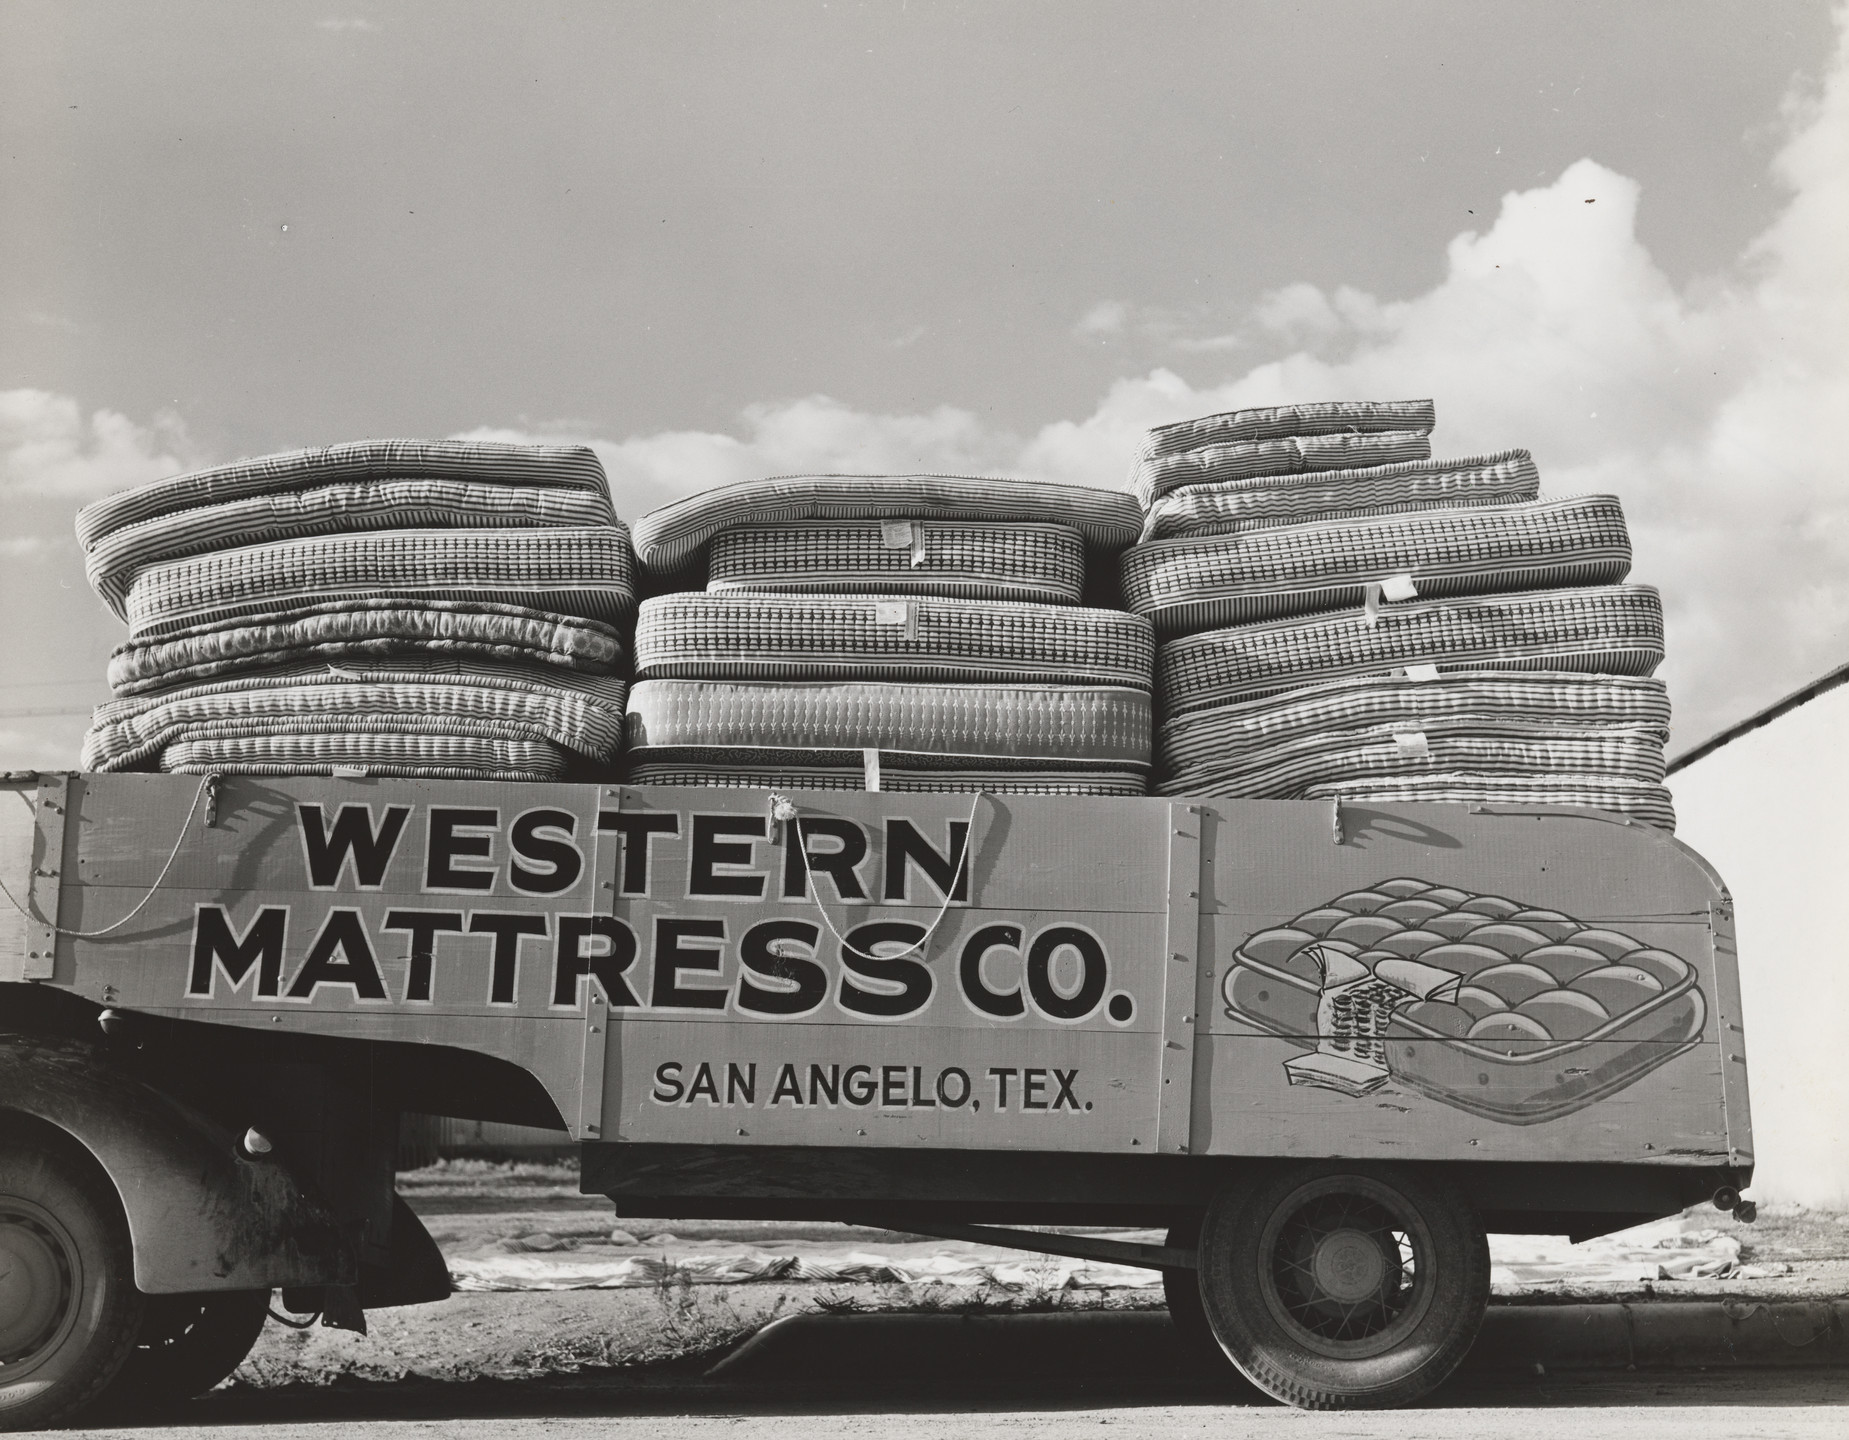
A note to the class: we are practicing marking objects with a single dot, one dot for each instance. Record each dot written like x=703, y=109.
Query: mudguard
x=201, y=1215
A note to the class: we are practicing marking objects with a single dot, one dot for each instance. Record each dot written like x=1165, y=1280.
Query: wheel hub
x=1348, y=1266
x=35, y=1286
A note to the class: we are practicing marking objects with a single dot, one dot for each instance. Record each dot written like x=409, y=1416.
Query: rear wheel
x=1334, y=1287
x=69, y=1310
x=187, y=1344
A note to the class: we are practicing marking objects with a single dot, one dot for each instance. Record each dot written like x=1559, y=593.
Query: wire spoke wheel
x=1334, y=1286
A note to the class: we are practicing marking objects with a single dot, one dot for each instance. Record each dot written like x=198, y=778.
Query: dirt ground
x=537, y=1208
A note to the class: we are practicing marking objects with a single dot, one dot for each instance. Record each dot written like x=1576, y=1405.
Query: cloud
x=1106, y=318
x=341, y=26
x=18, y=547
x=49, y=448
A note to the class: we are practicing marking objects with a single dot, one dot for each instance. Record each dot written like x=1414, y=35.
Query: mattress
x=1601, y=630
x=834, y=637
x=672, y=537
x=1515, y=1012
x=417, y=757
x=897, y=774
x=1042, y=563
x=1103, y=722
x=1638, y=799
x=1198, y=583
x=552, y=467
x=358, y=505
x=1281, y=422
x=583, y=714
x=1226, y=509
x=1295, y=735
x=1158, y=475
x=586, y=572
x=344, y=631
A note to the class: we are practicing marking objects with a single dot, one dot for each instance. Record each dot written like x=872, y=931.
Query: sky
x=724, y=240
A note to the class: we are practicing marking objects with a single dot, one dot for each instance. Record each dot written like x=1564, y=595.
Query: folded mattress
x=1638, y=799
x=436, y=698
x=1232, y=506
x=1159, y=475
x=585, y=571
x=349, y=506
x=416, y=757
x=343, y=631
x=1281, y=422
x=1062, y=722
x=1292, y=733
x=672, y=537
x=893, y=772
x=693, y=636
x=1601, y=630
x=551, y=467
x=1199, y=583
x=1041, y=563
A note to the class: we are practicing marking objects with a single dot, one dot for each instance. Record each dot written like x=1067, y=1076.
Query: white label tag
x=1413, y=744
x=891, y=612
x=349, y=772
x=870, y=762
x=1398, y=587
x=896, y=534
x=1421, y=672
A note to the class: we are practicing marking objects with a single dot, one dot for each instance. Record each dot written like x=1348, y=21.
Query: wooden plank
x=44, y=910
x=1737, y=1119
x=1180, y=969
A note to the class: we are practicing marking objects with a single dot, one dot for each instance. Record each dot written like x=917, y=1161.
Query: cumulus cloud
x=48, y=447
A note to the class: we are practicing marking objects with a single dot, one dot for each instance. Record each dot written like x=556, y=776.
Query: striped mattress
x=416, y=757
x=1636, y=799
x=692, y=636
x=585, y=571
x=356, y=505
x=896, y=773
x=1604, y=630
x=670, y=538
x=1043, y=563
x=1194, y=584
x=435, y=700
x=1226, y=509
x=1283, y=422
x=343, y=631
x=1158, y=475
x=1063, y=722
x=551, y=467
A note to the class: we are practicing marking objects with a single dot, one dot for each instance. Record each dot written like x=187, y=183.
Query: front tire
x=187, y=1344
x=1342, y=1287
x=69, y=1310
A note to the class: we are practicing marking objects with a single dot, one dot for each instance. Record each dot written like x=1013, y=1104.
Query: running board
x=1078, y=1247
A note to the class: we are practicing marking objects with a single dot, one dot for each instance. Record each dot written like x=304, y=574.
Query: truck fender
x=201, y=1215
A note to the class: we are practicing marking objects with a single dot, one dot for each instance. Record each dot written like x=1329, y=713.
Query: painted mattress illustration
x=1514, y=1013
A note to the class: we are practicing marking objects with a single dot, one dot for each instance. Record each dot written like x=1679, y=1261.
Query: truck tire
x=1199, y=1352
x=69, y=1309
x=187, y=1344
x=1337, y=1286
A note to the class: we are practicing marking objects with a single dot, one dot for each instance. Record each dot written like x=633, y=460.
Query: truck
x=1323, y=1048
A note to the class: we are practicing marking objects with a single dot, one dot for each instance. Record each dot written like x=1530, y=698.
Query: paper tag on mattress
x=870, y=762
x=1413, y=744
x=1421, y=672
x=896, y=534
x=891, y=612
x=1398, y=587
x=348, y=772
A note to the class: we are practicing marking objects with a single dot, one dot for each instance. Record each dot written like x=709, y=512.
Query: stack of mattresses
x=1414, y=629
x=436, y=609
x=900, y=633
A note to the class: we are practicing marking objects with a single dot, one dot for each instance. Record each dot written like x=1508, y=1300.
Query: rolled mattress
x=1227, y=509
x=1041, y=563
x=1638, y=799
x=416, y=757
x=433, y=700
x=673, y=536
x=1234, y=745
x=1281, y=422
x=1158, y=475
x=342, y=631
x=1602, y=630
x=692, y=636
x=586, y=572
x=1198, y=583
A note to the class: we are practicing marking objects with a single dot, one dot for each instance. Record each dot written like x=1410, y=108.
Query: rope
x=206, y=783
x=813, y=895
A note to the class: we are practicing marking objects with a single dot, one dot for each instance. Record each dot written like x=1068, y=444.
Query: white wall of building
x=1770, y=811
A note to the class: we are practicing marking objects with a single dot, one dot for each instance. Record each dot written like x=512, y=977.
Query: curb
x=1670, y=1335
